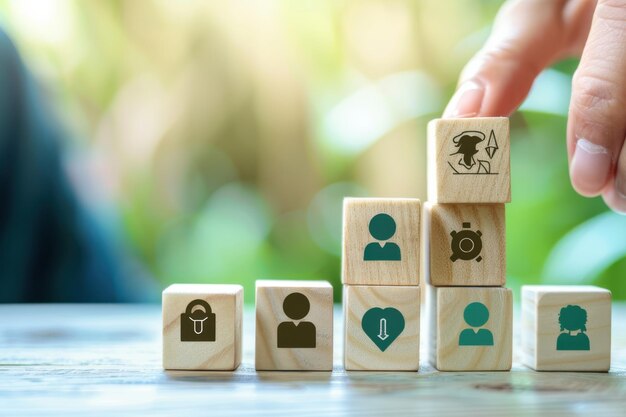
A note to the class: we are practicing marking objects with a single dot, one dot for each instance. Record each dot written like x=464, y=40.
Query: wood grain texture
x=541, y=307
x=444, y=185
x=101, y=359
x=443, y=219
x=224, y=353
x=357, y=213
x=270, y=296
x=446, y=306
x=360, y=352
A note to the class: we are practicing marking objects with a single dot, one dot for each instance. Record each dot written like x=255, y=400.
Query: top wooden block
x=381, y=241
x=469, y=160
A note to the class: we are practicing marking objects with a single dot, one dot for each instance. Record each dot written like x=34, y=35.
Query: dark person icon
x=296, y=335
x=382, y=227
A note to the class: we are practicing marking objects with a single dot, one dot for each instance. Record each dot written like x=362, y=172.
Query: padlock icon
x=197, y=325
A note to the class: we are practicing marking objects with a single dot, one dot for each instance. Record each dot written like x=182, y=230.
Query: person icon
x=382, y=227
x=296, y=335
x=476, y=315
x=573, y=320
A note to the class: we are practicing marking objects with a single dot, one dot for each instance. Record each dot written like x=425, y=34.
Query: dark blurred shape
x=51, y=249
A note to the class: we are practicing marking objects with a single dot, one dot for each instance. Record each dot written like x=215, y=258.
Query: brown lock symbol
x=197, y=325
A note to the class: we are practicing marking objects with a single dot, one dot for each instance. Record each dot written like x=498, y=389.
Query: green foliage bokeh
x=227, y=133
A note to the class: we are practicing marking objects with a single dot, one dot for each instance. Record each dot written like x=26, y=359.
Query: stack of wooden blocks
x=457, y=245
x=380, y=276
x=470, y=310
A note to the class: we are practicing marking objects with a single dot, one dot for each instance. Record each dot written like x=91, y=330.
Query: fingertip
x=466, y=101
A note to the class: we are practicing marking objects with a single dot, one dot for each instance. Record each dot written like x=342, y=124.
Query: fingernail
x=590, y=167
x=467, y=100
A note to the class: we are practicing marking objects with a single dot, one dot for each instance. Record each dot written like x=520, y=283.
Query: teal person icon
x=382, y=227
x=573, y=319
x=476, y=315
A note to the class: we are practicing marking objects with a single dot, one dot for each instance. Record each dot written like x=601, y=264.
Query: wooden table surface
x=71, y=360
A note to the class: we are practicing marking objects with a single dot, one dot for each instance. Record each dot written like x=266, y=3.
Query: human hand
x=528, y=36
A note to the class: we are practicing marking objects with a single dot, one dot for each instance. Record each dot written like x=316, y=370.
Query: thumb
x=596, y=124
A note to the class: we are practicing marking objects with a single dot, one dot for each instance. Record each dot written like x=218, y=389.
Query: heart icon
x=382, y=326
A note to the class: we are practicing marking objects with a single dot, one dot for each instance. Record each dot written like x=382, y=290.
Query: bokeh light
x=222, y=136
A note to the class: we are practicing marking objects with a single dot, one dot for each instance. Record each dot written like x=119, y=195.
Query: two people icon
x=573, y=320
x=476, y=315
x=382, y=227
x=296, y=335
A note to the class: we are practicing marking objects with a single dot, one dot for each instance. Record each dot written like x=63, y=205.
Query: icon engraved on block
x=474, y=153
x=466, y=244
x=476, y=315
x=382, y=227
x=197, y=325
x=296, y=335
x=573, y=320
x=382, y=326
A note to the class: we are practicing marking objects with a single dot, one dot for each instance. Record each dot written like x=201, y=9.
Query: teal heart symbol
x=382, y=326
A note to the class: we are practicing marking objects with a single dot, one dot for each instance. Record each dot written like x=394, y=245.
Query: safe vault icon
x=466, y=244
x=197, y=325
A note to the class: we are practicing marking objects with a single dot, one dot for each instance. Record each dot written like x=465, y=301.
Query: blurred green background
x=218, y=139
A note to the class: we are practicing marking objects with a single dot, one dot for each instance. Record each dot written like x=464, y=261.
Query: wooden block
x=381, y=328
x=469, y=160
x=566, y=328
x=381, y=241
x=471, y=328
x=294, y=326
x=467, y=244
x=202, y=326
